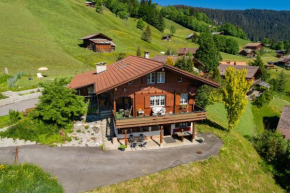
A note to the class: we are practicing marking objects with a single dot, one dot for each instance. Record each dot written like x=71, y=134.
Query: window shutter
x=177, y=99
x=169, y=101
x=147, y=102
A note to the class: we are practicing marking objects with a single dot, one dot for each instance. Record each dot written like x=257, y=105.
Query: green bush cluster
x=14, y=116
x=275, y=150
x=264, y=98
x=27, y=178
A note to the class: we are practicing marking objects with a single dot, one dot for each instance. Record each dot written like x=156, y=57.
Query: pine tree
x=146, y=36
x=207, y=52
x=216, y=75
x=189, y=63
x=138, y=53
x=233, y=95
x=281, y=82
x=181, y=63
x=194, y=38
x=259, y=62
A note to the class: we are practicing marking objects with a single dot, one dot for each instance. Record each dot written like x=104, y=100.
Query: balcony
x=197, y=114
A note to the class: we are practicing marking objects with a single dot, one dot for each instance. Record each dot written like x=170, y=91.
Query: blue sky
x=231, y=4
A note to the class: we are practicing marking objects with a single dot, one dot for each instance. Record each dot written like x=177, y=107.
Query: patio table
x=183, y=134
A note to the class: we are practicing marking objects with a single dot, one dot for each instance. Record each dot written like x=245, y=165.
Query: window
x=157, y=101
x=179, y=79
x=130, y=83
x=160, y=77
x=183, y=125
x=183, y=98
x=151, y=78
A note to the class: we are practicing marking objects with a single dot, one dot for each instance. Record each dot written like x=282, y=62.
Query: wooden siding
x=103, y=48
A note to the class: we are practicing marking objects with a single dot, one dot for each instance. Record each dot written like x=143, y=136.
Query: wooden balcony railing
x=198, y=115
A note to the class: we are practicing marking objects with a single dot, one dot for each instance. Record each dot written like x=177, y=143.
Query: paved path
x=85, y=168
x=20, y=106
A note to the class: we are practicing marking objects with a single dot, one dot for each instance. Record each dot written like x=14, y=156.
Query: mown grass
x=27, y=178
x=236, y=169
x=246, y=125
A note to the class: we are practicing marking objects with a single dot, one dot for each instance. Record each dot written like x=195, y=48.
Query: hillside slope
x=46, y=33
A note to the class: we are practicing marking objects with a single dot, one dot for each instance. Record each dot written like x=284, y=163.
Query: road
x=81, y=169
x=19, y=106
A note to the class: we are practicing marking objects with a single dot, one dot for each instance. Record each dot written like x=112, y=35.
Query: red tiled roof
x=284, y=122
x=124, y=71
x=186, y=50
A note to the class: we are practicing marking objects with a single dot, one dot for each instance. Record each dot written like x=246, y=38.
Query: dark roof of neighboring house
x=253, y=44
x=285, y=60
x=163, y=59
x=165, y=36
x=126, y=70
x=95, y=36
x=251, y=70
x=284, y=122
x=186, y=50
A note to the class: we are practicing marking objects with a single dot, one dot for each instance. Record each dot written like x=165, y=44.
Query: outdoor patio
x=154, y=143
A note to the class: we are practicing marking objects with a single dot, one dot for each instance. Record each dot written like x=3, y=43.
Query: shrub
x=141, y=24
x=264, y=99
x=202, y=96
x=27, y=178
x=14, y=116
x=120, y=56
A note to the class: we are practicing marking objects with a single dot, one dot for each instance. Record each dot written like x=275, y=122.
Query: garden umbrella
x=42, y=68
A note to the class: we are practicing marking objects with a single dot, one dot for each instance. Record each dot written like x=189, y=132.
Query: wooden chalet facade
x=98, y=43
x=159, y=99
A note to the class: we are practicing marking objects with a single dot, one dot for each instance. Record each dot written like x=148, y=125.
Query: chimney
x=101, y=67
x=146, y=54
x=235, y=63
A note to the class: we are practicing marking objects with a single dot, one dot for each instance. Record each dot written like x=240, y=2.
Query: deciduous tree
x=146, y=36
x=172, y=30
x=170, y=61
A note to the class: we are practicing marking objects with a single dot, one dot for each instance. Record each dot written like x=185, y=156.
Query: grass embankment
x=4, y=121
x=236, y=169
x=27, y=178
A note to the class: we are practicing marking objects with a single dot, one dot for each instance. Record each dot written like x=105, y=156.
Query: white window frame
x=160, y=77
x=151, y=78
x=184, y=98
x=157, y=101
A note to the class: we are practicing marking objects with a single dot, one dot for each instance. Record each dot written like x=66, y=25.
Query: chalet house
x=234, y=63
x=144, y=96
x=185, y=51
x=98, y=43
x=90, y=4
x=248, y=53
x=166, y=38
x=163, y=58
x=253, y=72
x=284, y=62
x=284, y=123
x=254, y=46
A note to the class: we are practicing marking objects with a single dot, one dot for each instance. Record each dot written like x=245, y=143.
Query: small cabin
x=90, y=4
x=166, y=38
x=248, y=53
x=185, y=51
x=99, y=43
x=253, y=72
x=254, y=46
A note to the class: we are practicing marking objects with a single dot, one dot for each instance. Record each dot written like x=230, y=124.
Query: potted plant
x=122, y=147
x=200, y=139
x=183, y=108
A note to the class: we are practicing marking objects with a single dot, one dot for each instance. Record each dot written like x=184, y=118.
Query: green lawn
x=27, y=178
x=236, y=169
x=246, y=125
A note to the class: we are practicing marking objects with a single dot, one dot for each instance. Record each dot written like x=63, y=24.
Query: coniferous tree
x=259, y=62
x=189, y=63
x=138, y=53
x=216, y=75
x=146, y=36
x=194, y=38
x=207, y=52
x=281, y=82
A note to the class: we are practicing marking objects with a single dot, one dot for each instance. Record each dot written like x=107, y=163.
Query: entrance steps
x=107, y=126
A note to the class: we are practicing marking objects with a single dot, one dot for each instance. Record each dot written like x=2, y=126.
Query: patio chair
x=126, y=113
x=131, y=138
x=143, y=144
x=134, y=145
x=141, y=138
x=162, y=111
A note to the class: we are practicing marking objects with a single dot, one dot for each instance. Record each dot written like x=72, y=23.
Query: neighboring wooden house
x=253, y=72
x=144, y=96
x=98, y=43
x=284, y=123
x=247, y=52
x=284, y=62
x=280, y=53
x=166, y=38
x=185, y=51
x=90, y=4
x=163, y=58
x=254, y=46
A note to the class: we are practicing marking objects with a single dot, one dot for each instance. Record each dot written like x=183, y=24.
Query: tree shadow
x=270, y=123
x=82, y=45
x=214, y=124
